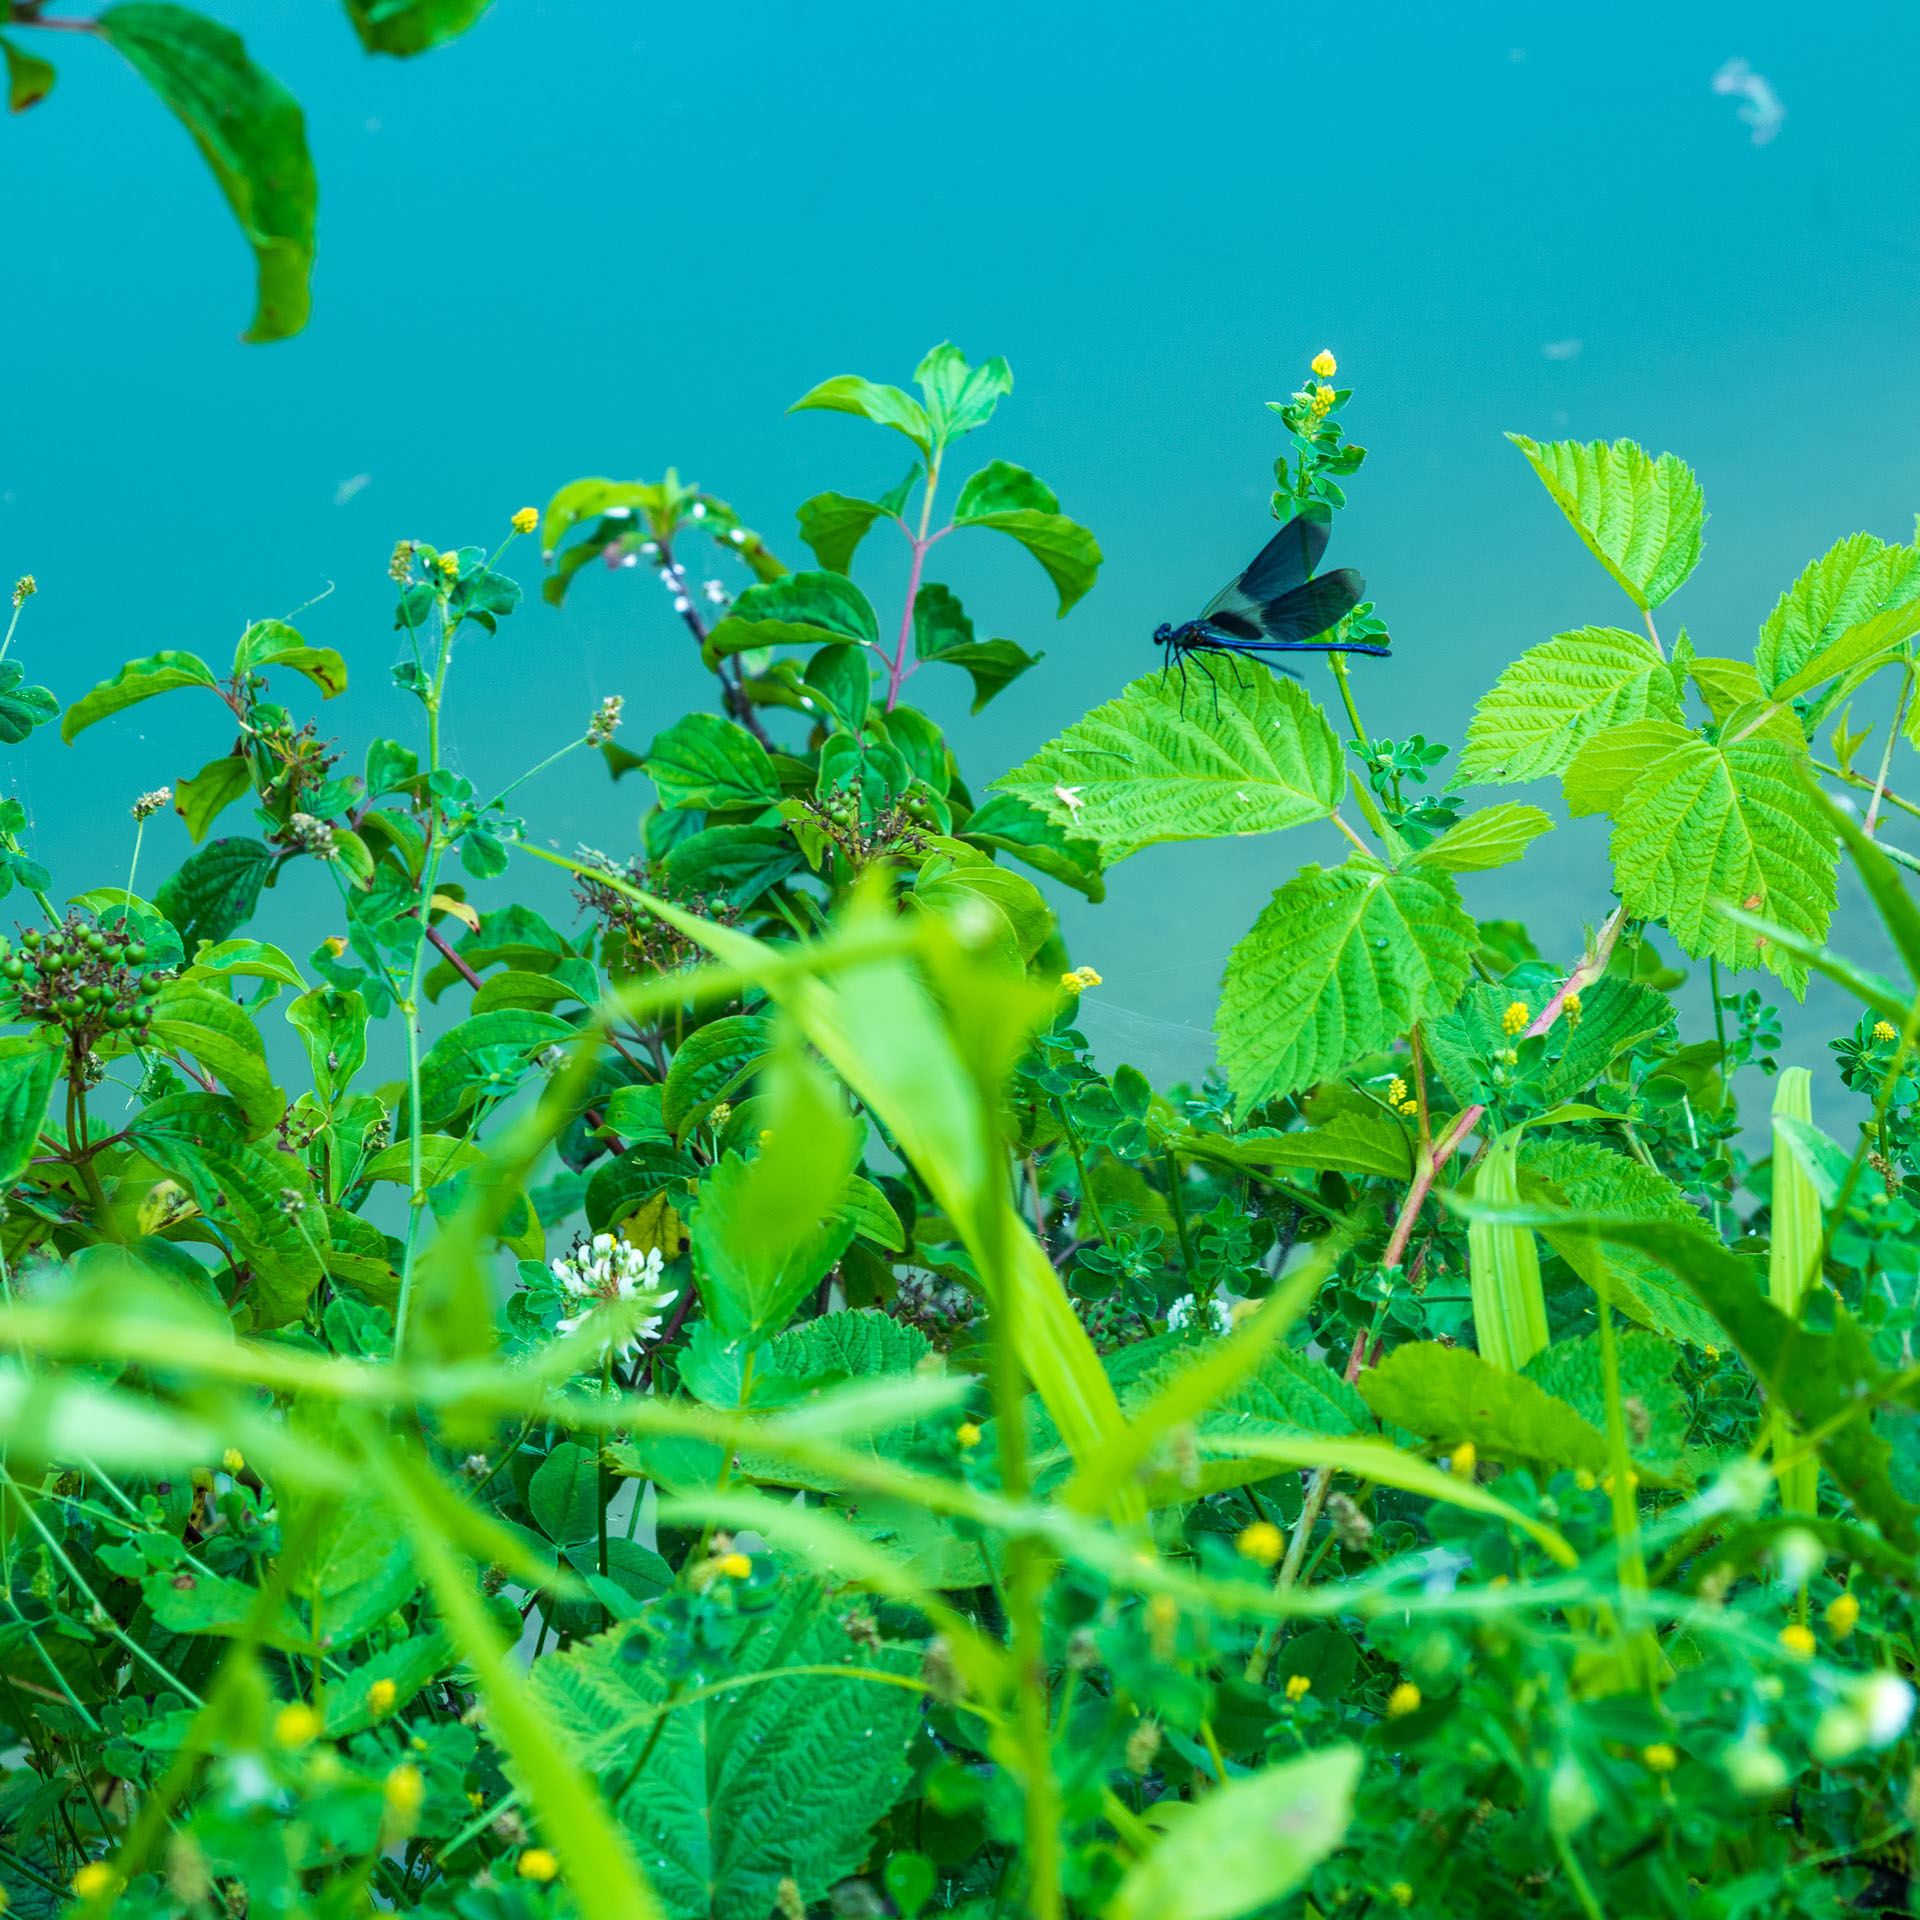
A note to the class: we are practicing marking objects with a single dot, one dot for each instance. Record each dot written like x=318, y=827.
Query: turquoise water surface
x=595, y=237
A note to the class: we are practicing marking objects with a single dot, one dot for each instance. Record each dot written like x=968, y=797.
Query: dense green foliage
x=724, y=1408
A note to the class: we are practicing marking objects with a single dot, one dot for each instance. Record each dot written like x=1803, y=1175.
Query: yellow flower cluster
x=1262, y=1542
x=1298, y=1686
x=449, y=564
x=1403, y=1700
x=967, y=1434
x=1798, y=1640
x=1321, y=399
x=1570, y=1006
x=537, y=1864
x=1324, y=364
x=1465, y=1458
x=526, y=520
x=1843, y=1614
x=1516, y=1016
x=296, y=1725
x=1080, y=979
x=1885, y=1030
x=380, y=1696
x=1660, y=1758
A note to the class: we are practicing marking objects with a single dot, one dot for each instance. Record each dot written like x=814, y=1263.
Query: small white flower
x=1219, y=1318
x=649, y=548
x=681, y=603
x=1886, y=1704
x=716, y=592
x=608, y=1269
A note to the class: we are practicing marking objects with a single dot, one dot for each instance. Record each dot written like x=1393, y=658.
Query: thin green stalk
x=1886, y=759
x=1177, y=1201
x=1793, y=1261
x=1338, y=662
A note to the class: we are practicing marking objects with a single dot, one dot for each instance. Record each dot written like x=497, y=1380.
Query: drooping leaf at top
x=807, y=609
x=138, y=680
x=1339, y=964
x=1166, y=763
x=1013, y=501
x=251, y=132
x=1858, y=580
x=272, y=643
x=1640, y=516
x=1556, y=696
x=406, y=27
x=886, y=406
x=942, y=631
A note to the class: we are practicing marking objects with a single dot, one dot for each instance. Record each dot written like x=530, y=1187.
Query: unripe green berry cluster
x=93, y=982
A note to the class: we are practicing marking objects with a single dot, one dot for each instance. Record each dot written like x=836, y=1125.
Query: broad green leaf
x=202, y=1141
x=1877, y=639
x=563, y=1494
x=333, y=1028
x=1556, y=696
x=1601, y=775
x=1658, y=1413
x=486, y=1055
x=705, y=762
x=1615, y=1015
x=718, y=1837
x=1730, y=823
x=959, y=888
x=253, y=959
x=1449, y=1395
x=1012, y=501
x=942, y=631
x=587, y=499
x=214, y=892
x=623, y=1186
x=1369, y=1144
x=710, y=1064
x=28, y=1067
x=406, y=27
x=1149, y=766
x=1725, y=685
x=137, y=680
x=272, y=643
x=1007, y=824
x=1855, y=580
x=886, y=406
x=843, y=679
x=834, y=524
x=960, y=398
x=808, y=609
x=217, y=785
x=1246, y=1843
x=29, y=78
x=1340, y=963
x=22, y=708
x=734, y=863
x=1488, y=837
x=1285, y=1392
x=210, y=1028
x=250, y=131
x=873, y=1217
x=1639, y=516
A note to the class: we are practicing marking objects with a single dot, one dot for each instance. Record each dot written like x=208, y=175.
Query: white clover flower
x=608, y=1269
x=681, y=603
x=1219, y=1318
x=716, y=592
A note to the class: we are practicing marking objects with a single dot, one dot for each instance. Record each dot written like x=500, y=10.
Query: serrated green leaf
x=1856, y=579
x=137, y=680
x=834, y=524
x=1369, y=1144
x=1657, y=1414
x=1486, y=838
x=703, y=762
x=1288, y=1392
x=1601, y=775
x=1339, y=964
x=1732, y=822
x=249, y=130
x=1725, y=685
x=1448, y=1395
x=807, y=609
x=1006, y=823
x=1149, y=767
x=1639, y=516
x=1556, y=696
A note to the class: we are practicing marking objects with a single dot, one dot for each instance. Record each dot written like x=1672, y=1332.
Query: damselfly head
x=1162, y=634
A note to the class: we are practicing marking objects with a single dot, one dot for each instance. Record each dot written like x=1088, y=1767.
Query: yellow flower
x=1660, y=1758
x=1797, y=1641
x=526, y=520
x=736, y=1566
x=294, y=1726
x=1712, y=1353
x=1409, y=1109
x=95, y=1877
x=233, y=1460
x=1262, y=1541
x=1080, y=979
x=1885, y=1030
x=1402, y=1892
x=1843, y=1614
x=1465, y=1458
x=537, y=1864
x=1325, y=365
x=335, y=945
x=449, y=564
x=967, y=1434
x=1298, y=1686
x=1396, y=1091
x=1322, y=399
x=1516, y=1016
x=405, y=1788
x=380, y=1696
x=1570, y=1006
x=1403, y=1700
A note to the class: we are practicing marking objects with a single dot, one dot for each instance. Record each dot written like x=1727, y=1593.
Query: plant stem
x=897, y=666
x=1861, y=780
x=1338, y=662
x=1646, y=613
x=1886, y=759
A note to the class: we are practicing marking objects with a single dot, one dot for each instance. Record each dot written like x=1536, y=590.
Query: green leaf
x=1734, y=823
x=842, y=678
x=623, y=1186
x=333, y=1028
x=22, y=708
x=960, y=398
x=873, y=1219
x=1609, y=766
x=406, y=27
x=717, y=1834
x=1007, y=824
x=1875, y=640
x=942, y=631
x=1368, y=1144
x=1573, y=1372
x=1857, y=579
x=808, y=609
x=1339, y=964
x=564, y=1494
x=485, y=1055
x=834, y=524
x=1556, y=696
x=886, y=406
x=28, y=1068
x=1144, y=768
x=194, y=1020
x=1882, y=880
x=201, y=1139
x=1023, y=922
x=1448, y=1395
x=272, y=643
x=1250, y=1841
x=1287, y=1392
x=705, y=762
x=1639, y=516
x=709, y=1064
x=249, y=130
x=1012, y=501
x=1488, y=837
x=137, y=680
x=29, y=78
x=215, y=890
x=217, y=785
x=736, y=863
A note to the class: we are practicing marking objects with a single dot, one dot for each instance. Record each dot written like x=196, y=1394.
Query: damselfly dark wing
x=1278, y=602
